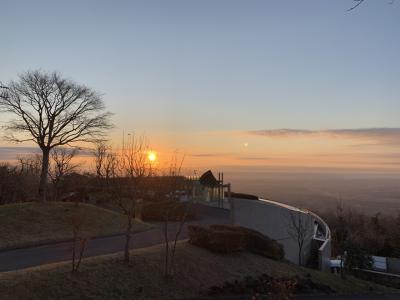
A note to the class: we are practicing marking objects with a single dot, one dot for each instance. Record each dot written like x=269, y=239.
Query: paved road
x=35, y=256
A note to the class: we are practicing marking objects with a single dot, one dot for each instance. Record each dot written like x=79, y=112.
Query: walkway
x=40, y=255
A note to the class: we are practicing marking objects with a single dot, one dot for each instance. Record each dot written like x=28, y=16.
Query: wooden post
x=219, y=190
x=222, y=190
x=232, y=205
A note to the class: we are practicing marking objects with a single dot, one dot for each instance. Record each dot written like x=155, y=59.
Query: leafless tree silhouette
x=171, y=185
x=52, y=111
x=358, y=2
x=80, y=240
x=134, y=167
x=299, y=229
x=61, y=165
x=105, y=160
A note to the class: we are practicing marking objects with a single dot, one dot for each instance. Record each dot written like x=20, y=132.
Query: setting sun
x=152, y=156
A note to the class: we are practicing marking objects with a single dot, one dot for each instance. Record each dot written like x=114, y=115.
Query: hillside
x=25, y=224
x=197, y=271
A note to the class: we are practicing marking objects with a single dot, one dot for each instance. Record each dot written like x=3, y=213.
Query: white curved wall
x=275, y=220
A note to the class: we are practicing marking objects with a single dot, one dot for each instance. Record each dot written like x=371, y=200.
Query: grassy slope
x=197, y=270
x=25, y=224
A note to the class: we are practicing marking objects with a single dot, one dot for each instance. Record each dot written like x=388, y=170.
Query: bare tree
x=30, y=164
x=99, y=154
x=61, y=165
x=173, y=207
x=134, y=159
x=134, y=167
x=16, y=185
x=79, y=239
x=299, y=229
x=106, y=161
x=52, y=111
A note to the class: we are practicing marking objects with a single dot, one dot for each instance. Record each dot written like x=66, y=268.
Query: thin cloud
x=379, y=135
x=207, y=155
x=11, y=153
x=255, y=158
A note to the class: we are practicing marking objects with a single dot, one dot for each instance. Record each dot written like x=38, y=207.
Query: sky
x=238, y=83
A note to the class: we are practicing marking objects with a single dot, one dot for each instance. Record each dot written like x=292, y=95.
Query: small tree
x=106, y=161
x=15, y=185
x=60, y=166
x=173, y=207
x=299, y=229
x=134, y=167
x=356, y=255
x=28, y=168
x=79, y=239
x=52, y=111
x=30, y=164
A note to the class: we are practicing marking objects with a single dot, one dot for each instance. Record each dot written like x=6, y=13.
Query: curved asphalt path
x=35, y=256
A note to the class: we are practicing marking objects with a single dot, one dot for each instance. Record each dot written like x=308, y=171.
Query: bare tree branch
x=52, y=112
x=356, y=5
x=299, y=230
x=61, y=165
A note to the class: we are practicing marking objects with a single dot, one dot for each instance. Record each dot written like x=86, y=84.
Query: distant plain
x=321, y=190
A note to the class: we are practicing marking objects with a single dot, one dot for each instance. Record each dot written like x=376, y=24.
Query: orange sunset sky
x=225, y=83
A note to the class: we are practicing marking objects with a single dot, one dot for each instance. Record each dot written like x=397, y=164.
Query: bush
x=357, y=256
x=256, y=242
x=226, y=238
x=199, y=236
x=215, y=240
x=226, y=241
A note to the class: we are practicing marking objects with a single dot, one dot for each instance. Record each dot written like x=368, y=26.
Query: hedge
x=226, y=239
x=222, y=241
x=256, y=242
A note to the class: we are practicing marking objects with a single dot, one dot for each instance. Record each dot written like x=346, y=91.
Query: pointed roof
x=208, y=179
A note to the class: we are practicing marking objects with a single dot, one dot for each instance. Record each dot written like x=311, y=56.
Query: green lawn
x=197, y=270
x=25, y=224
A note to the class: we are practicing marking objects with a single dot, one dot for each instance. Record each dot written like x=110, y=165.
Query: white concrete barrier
x=287, y=225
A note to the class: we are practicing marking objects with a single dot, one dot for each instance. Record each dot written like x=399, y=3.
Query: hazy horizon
x=271, y=83
x=249, y=88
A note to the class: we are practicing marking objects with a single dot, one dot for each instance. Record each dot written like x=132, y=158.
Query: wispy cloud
x=379, y=135
x=207, y=155
x=253, y=158
x=11, y=153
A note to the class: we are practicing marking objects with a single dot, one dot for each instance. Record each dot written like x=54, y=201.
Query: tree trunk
x=300, y=255
x=74, y=251
x=128, y=239
x=44, y=174
x=166, y=266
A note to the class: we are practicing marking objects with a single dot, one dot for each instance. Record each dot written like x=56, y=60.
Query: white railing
x=324, y=251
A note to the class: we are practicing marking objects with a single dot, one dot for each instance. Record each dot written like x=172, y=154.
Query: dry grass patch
x=26, y=224
x=197, y=271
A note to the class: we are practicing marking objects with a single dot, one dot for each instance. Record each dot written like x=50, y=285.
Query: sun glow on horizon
x=152, y=156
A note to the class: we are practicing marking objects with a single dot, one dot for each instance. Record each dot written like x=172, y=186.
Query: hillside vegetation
x=197, y=272
x=25, y=224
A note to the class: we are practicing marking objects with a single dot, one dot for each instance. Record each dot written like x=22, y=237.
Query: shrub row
x=222, y=241
x=226, y=239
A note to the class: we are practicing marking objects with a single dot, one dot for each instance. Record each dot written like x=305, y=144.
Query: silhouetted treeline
x=361, y=235
x=19, y=183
